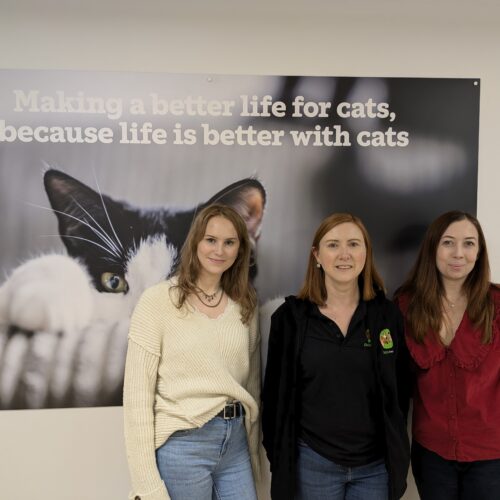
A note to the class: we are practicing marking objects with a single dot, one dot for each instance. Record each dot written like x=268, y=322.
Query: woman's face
x=457, y=251
x=342, y=253
x=218, y=249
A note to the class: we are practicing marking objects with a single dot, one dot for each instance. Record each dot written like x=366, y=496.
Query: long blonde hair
x=234, y=281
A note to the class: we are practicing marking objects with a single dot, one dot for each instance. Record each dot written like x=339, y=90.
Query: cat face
x=64, y=318
x=117, y=242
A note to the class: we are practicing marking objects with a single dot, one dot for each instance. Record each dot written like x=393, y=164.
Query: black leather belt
x=231, y=410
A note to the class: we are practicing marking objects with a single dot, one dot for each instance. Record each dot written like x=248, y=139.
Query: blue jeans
x=211, y=462
x=321, y=479
x=440, y=479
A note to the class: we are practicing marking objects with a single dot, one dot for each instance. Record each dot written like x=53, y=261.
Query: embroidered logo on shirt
x=368, y=336
x=386, y=339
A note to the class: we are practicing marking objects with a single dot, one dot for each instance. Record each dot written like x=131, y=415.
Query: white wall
x=79, y=454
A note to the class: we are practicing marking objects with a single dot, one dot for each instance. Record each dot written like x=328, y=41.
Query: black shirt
x=341, y=416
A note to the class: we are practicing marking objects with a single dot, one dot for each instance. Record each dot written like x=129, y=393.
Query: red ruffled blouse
x=456, y=399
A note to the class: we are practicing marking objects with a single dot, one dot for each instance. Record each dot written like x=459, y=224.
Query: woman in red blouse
x=452, y=324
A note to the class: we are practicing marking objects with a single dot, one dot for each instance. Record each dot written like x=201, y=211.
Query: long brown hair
x=314, y=288
x=234, y=281
x=425, y=289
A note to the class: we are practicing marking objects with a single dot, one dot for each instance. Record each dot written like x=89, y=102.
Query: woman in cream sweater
x=192, y=377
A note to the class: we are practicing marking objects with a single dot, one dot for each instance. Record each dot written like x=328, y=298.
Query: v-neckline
x=455, y=333
x=205, y=315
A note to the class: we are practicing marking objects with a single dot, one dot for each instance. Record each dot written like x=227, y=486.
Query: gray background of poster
x=385, y=186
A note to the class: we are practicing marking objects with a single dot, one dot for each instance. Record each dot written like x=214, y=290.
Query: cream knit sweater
x=182, y=367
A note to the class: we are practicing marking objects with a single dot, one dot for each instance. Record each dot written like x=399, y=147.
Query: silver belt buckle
x=233, y=407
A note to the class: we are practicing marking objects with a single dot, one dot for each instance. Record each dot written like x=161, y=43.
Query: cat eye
x=114, y=283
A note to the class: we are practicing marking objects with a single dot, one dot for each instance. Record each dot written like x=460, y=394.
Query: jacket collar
x=301, y=307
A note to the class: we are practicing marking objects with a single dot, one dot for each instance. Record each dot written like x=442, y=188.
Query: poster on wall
x=101, y=174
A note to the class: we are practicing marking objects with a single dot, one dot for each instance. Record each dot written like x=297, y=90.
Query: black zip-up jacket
x=281, y=403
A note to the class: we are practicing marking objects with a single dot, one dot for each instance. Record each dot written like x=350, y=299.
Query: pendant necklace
x=450, y=303
x=209, y=297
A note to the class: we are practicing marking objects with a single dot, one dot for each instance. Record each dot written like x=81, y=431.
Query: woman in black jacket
x=335, y=393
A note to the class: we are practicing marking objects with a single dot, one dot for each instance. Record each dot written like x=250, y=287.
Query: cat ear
x=75, y=205
x=248, y=198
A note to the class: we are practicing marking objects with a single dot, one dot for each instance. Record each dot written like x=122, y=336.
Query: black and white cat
x=64, y=318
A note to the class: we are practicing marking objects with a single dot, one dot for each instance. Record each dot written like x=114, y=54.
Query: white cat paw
x=52, y=293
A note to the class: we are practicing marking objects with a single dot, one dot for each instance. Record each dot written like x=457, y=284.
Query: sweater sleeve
x=141, y=367
x=253, y=387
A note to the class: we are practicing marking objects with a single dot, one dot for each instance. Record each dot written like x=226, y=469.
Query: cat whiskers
x=103, y=236
x=106, y=211
x=82, y=239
